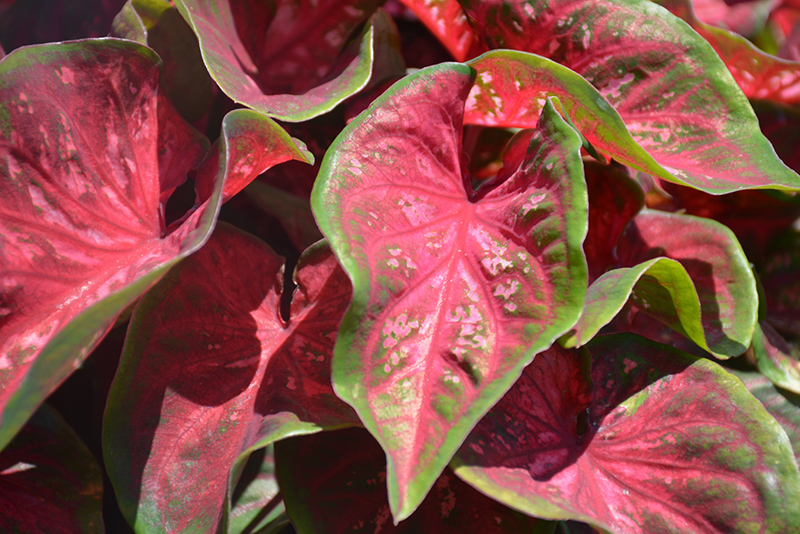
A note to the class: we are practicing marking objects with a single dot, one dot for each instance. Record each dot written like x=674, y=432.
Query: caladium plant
x=545, y=282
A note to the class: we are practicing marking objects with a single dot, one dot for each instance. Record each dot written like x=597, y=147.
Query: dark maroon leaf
x=614, y=199
x=716, y=264
x=455, y=290
x=661, y=442
x=781, y=124
x=49, y=481
x=224, y=375
x=335, y=482
x=780, y=275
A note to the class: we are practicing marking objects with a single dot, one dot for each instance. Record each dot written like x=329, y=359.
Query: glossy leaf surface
x=334, y=482
x=49, y=481
x=289, y=59
x=454, y=290
x=701, y=127
x=224, y=376
x=512, y=87
x=637, y=447
x=91, y=150
x=716, y=264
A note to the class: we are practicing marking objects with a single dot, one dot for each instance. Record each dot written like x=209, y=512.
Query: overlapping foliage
x=476, y=266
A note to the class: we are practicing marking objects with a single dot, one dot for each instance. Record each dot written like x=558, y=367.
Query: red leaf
x=700, y=127
x=455, y=290
x=289, y=59
x=664, y=443
x=716, y=263
x=614, y=199
x=447, y=21
x=224, y=375
x=91, y=151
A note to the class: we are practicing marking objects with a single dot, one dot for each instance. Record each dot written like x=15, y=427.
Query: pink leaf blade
x=512, y=88
x=83, y=231
x=157, y=24
x=288, y=59
x=701, y=129
x=667, y=443
x=760, y=75
x=225, y=376
x=454, y=290
x=250, y=144
x=447, y=21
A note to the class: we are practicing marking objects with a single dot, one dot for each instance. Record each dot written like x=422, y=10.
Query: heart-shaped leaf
x=289, y=59
x=455, y=290
x=49, y=481
x=784, y=406
x=512, y=87
x=700, y=127
x=663, y=442
x=712, y=256
x=91, y=150
x=157, y=24
x=334, y=482
x=224, y=376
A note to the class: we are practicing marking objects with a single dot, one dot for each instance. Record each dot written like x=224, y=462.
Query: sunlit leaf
x=675, y=95
x=657, y=441
x=455, y=290
x=717, y=266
